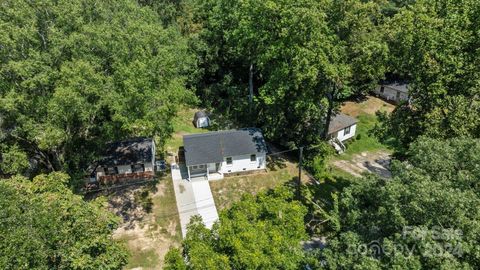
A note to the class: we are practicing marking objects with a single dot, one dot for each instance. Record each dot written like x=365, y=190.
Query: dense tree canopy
x=304, y=57
x=43, y=225
x=426, y=217
x=261, y=232
x=436, y=45
x=75, y=74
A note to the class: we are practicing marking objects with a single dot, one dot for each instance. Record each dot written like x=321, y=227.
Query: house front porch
x=210, y=171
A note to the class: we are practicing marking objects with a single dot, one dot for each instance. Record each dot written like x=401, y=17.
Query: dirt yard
x=148, y=235
x=369, y=106
x=374, y=162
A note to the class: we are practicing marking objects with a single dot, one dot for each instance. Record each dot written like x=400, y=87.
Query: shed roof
x=398, y=86
x=213, y=147
x=200, y=114
x=340, y=121
x=128, y=152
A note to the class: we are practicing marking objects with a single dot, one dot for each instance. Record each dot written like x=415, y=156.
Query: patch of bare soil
x=139, y=229
x=373, y=162
x=369, y=106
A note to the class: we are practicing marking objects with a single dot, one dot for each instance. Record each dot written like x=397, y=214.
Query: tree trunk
x=331, y=101
x=250, y=87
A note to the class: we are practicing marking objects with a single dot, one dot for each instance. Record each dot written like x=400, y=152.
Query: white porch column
x=188, y=170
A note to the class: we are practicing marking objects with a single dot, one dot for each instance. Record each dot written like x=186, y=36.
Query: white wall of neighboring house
x=341, y=136
x=202, y=122
x=243, y=163
x=390, y=93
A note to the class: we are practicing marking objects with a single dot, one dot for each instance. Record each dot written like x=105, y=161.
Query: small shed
x=201, y=120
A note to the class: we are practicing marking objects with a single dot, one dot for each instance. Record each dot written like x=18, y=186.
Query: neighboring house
x=201, y=120
x=342, y=127
x=395, y=92
x=132, y=159
x=211, y=155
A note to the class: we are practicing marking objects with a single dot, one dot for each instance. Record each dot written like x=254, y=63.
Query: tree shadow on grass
x=275, y=163
x=130, y=202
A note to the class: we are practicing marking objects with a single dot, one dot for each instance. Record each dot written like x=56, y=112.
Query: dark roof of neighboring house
x=128, y=152
x=399, y=86
x=339, y=122
x=200, y=114
x=213, y=147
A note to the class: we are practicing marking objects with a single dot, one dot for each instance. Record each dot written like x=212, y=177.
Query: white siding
x=239, y=163
x=202, y=122
x=211, y=167
x=390, y=93
x=342, y=136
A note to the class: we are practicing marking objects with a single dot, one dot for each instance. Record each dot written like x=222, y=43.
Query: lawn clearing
x=149, y=238
x=182, y=125
x=230, y=189
x=364, y=141
x=364, y=152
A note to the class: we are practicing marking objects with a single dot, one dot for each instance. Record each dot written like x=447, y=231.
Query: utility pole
x=250, y=88
x=300, y=160
x=330, y=97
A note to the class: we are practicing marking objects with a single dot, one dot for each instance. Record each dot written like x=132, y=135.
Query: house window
x=111, y=170
x=229, y=161
x=253, y=158
x=382, y=89
x=346, y=131
x=138, y=168
x=194, y=167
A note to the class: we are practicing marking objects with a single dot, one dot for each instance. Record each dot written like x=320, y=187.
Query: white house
x=395, y=92
x=214, y=154
x=342, y=127
x=125, y=160
x=201, y=120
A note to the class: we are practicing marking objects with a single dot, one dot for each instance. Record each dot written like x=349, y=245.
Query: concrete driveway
x=193, y=198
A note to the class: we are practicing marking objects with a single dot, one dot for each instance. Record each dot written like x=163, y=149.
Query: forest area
x=77, y=74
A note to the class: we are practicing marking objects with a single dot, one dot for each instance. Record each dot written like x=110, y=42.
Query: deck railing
x=109, y=180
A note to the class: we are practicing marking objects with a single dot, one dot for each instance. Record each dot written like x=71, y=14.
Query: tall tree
x=75, y=74
x=435, y=44
x=426, y=217
x=43, y=225
x=261, y=232
x=301, y=57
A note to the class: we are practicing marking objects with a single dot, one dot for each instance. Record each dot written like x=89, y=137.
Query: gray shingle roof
x=213, y=147
x=128, y=152
x=339, y=122
x=199, y=114
x=398, y=86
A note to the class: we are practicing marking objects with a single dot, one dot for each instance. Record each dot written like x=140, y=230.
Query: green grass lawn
x=182, y=124
x=230, y=189
x=146, y=259
x=364, y=141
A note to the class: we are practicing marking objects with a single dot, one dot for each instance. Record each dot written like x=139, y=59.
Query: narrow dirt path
x=374, y=162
